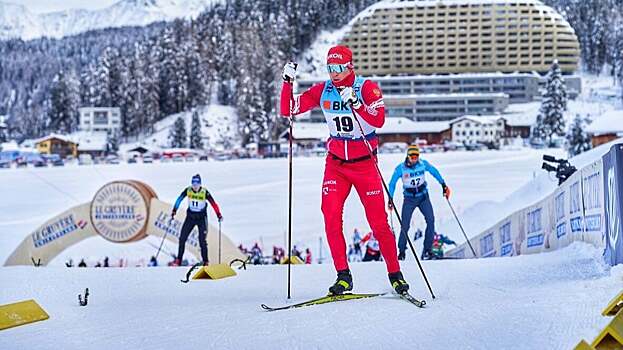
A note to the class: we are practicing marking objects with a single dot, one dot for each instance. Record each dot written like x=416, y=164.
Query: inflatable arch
x=121, y=212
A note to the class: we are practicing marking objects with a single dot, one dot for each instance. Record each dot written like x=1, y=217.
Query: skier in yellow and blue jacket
x=415, y=192
x=196, y=215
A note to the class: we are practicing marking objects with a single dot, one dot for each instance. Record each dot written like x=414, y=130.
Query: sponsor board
x=534, y=241
x=613, y=195
x=506, y=249
x=561, y=230
x=55, y=230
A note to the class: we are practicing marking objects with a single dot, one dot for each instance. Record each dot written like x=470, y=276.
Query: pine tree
x=253, y=120
x=3, y=128
x=196, y=141
x=65, y=100
x=112, y=142
x=577, y=138
x=550, y=120
x=177, y=134
x=173, y=79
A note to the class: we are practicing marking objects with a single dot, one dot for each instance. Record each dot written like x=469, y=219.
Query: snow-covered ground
x=252, y=194
x=543, y=301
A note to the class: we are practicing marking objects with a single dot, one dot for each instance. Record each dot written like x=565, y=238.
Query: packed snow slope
x=253, y=196
x=543, y=301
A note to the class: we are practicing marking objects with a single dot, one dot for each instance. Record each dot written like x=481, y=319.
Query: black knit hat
x=196, y=178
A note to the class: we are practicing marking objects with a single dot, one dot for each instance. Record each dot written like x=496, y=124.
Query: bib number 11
x=344, y=124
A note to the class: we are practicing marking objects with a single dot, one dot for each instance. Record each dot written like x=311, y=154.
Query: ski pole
x=163, y=237
x=291, y=123
x=391, y=200
x=462, y=230
x=219, y=241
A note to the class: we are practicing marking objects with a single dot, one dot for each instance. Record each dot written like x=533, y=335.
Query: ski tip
x=266, y=307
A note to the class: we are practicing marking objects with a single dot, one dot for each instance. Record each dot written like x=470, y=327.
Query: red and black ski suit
x=348, y=162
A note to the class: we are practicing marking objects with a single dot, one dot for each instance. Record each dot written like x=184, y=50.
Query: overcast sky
x=43, y=6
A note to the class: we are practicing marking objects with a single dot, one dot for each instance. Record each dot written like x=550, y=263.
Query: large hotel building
x=461, y=36
x=437, y=60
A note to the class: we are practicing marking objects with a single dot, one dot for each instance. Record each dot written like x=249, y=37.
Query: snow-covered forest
x=231, y=54
x=598, y=25
x=233, y=51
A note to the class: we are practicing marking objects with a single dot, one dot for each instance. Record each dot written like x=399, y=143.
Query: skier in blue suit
x=415, y=191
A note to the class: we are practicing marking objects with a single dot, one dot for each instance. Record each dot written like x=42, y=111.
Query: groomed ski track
x=543, y=301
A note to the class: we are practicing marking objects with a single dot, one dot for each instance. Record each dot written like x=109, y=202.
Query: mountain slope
x=18, y=22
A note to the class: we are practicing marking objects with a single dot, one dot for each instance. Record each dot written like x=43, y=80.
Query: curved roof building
x=457, y=36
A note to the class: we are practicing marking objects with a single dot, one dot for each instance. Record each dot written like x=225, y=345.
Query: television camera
x=562, y=169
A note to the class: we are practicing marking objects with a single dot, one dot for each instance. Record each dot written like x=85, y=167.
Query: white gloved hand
x=289, y=72
x=349, y=96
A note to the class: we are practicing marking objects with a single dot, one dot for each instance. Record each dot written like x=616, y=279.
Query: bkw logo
x=335, y=105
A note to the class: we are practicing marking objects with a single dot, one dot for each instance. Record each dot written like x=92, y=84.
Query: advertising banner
x=587, y=207
x=120, y=212
x=613, y=195
x=54, y=236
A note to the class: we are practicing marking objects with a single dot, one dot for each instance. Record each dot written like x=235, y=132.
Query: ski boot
x=398, y=282
x=401, y=255
x=344, y=283
x=427, y=254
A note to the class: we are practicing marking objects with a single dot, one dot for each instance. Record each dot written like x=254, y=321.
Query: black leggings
x=192, y=220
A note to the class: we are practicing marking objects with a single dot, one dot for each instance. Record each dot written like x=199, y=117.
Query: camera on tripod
x=563, y=170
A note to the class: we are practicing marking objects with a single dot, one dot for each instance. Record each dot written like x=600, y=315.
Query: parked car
x=177, y=158
x=112, y=159
x=49, y=158
x=453, y=146
x=222, y=156
x=85, y=159
x=393, y=147
x=21, y=162
x=190, y=158
x=58, y=162
x=148, y=159
x=203, y=157
x=131, y=160
x=5, y=164
x=537, y=144
x=39, y=162
x=475, y=146
x=165, y=160
x=54, y=159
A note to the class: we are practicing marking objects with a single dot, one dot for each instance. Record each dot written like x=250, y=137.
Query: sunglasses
x=337, y=68
x=196, y=183
x=414, y=155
